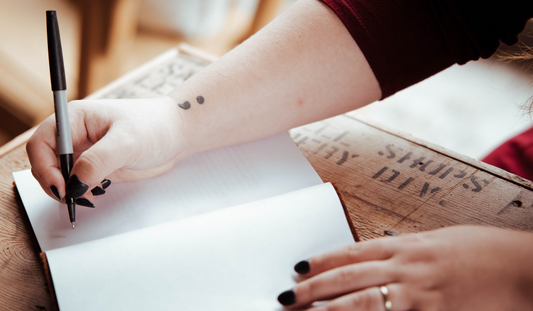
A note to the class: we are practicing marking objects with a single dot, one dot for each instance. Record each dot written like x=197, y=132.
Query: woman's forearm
x=302, y=67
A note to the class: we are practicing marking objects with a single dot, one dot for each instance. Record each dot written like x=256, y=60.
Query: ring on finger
x=385, y=293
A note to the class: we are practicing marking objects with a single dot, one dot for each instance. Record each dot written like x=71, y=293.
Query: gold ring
x=385, y=293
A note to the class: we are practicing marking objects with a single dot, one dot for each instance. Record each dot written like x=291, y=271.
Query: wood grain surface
x=387, y=182
x=390, y=183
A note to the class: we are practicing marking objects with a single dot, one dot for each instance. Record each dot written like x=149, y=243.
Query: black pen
x=59, y=87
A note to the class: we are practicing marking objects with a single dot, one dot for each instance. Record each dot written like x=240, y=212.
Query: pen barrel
x=55, y=53
x=67, y=162
x=63, y=137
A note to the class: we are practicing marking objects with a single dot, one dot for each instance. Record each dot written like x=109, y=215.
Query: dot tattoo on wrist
x=186, y=105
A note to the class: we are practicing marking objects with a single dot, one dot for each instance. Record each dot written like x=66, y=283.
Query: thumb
x=95, y=164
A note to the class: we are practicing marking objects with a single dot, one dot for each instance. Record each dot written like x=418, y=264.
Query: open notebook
x=220, y=231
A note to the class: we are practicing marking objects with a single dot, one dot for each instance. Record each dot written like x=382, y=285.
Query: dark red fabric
x=406, y=41
x=515, y=155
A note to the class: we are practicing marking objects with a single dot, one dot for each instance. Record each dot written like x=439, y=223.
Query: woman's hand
x=120, y=140
x=264, y=86
x=457, y=268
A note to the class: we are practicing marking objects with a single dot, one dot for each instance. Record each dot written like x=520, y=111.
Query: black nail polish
x=97, y=191
x=302, y=267
x=75, y=187
x=287, y=298
x=55, y=192
x=106, y=183
x=84, y=202
x=391, y=233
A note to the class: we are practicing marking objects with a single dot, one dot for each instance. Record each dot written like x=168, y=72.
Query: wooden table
x=389, y=181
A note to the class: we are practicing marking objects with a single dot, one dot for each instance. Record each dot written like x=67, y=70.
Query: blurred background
x=469, y=109
x=103, y=39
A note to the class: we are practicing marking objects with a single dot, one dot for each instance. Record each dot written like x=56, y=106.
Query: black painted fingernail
x=97, y=191
x=391, y=233
x=75, y=187
x=84, y=202
x=302, y=267
x=55, y=192
x=287, y=298
x=106, y=183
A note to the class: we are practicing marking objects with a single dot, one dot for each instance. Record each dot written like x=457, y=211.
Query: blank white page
x=199, y=184
x=233, y=259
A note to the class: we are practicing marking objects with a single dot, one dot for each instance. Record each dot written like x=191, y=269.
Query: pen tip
x=73, y=225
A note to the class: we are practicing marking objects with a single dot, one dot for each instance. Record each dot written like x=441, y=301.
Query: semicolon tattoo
x=186, y=105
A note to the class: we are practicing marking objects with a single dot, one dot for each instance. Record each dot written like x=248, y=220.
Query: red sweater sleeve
x=406, y=41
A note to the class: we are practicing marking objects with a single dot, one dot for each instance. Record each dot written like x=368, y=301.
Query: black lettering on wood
x=437, y=170
x=396, y=173
x=340, y=136
x=405, y=183
x=434, y=190
x=344, y=158
x=448, y=171
x=381, y=171
x=461, y=174
x=333, y=150
x=417, y=161
x=424, y=189
x=321, y=129
x=474, y=181
x=405, y=157
x=320, y=148
x=302, y=141
x=391, y=153
x=423, y=167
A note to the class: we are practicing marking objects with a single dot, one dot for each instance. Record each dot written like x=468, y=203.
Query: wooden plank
x=481, y=165
x=390, y=183
x=22, y=279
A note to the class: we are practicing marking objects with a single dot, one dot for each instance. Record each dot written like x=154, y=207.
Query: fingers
x=41, y=152
x=340, y=281
x=378, y=249
x=370, y=299
x=95, y=164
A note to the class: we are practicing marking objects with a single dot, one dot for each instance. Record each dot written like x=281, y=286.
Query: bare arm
x=302, y=67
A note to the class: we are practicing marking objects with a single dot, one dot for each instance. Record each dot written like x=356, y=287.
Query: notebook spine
x=49, y=280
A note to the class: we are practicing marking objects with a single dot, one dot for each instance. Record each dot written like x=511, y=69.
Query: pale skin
x=301, y=68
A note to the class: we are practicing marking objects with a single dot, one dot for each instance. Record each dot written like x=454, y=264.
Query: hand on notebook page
x=456, y=268
x=119, y=140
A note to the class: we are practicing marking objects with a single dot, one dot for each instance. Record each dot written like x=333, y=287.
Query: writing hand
x=119, y=140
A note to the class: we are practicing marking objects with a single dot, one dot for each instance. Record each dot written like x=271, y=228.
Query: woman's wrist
x=184, y=127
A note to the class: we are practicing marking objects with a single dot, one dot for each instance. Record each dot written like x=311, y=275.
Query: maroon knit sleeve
x=406, y=41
